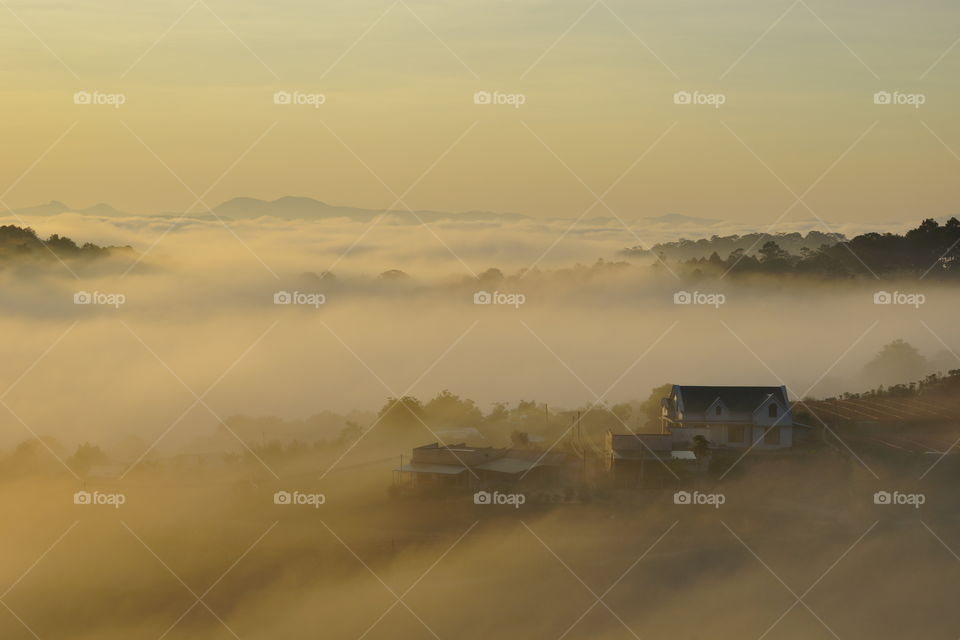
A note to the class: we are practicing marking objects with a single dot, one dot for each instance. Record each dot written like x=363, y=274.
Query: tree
x=896, y=362
x=771, y=252
x=349, y=433
x=649, y=412
x=622, y=412
x=86, y=456
x=401, y=414
x=490, y=276
x=499, y=413
x=701, y=446
x=450, y=410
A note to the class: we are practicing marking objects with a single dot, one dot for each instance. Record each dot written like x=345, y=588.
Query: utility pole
x=583, y=450
x=641, y=467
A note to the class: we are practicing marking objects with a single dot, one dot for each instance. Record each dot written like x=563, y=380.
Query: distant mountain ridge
x=301, y=208
x=55, y=207
x=287, y=208
x=304, y=208
x=678, y=219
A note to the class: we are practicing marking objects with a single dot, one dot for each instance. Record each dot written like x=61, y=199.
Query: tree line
x=930, y=250
x=19, y=242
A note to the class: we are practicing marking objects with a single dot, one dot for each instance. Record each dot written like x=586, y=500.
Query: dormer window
x=719, y=410
x=773, y=410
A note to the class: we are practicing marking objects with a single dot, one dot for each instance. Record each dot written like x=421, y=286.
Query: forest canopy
x=21, y=242
x=930, y=250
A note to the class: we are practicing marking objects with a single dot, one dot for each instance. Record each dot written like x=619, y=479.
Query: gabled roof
x=738, y=399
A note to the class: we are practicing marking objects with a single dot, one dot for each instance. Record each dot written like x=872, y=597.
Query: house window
x=772, y=436
x=719, y=410
x=773, y=410
x=735, y=433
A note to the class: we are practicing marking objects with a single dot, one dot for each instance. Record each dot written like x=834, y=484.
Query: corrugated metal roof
x=508, y=465
x=542, y=458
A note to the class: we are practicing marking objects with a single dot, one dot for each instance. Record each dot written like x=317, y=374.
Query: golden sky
x=399, y=119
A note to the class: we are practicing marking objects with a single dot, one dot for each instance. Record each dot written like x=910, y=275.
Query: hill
x=22, y=242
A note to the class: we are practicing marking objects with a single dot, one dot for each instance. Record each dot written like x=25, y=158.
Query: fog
x=198, y=339
x=199, y=318
x=463, y=571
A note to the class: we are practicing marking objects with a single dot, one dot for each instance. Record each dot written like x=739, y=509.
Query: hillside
x=17, y=243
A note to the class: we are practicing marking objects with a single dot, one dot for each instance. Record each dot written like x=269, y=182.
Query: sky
x=597, y=131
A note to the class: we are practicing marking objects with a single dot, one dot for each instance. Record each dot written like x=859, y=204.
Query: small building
x=644, y=460
x=456, y=466
x=735, y=417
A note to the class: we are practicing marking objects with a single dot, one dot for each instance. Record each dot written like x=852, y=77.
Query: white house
x=736, y=417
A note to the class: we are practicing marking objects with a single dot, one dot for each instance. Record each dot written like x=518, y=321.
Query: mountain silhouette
x=300, y=208
x=287, y=207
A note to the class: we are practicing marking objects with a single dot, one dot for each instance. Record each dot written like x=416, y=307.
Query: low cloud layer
x=199, y=310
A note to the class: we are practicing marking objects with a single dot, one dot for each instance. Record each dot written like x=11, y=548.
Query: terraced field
x=916, y=424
